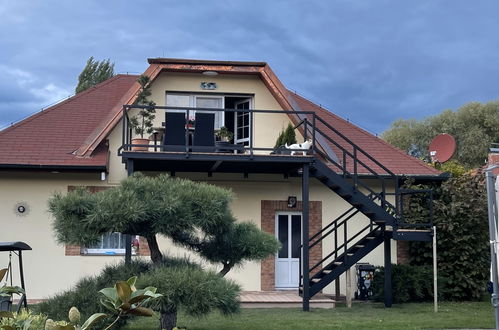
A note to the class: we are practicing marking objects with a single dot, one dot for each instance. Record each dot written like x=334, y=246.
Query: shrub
x=409, y=283
x=83, y=294
x=23, y=320
x=287, y=135
x=198, y=292
x=460, y=215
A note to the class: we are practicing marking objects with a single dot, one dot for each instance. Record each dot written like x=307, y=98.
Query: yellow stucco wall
x=49, y=271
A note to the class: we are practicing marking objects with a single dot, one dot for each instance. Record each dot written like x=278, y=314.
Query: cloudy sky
x=369, y=61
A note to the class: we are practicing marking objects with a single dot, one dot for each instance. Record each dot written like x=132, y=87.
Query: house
x=348, y=205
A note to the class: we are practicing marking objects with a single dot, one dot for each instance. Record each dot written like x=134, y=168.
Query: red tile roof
x=72, y=132
x=389, y=156
x=50, y=137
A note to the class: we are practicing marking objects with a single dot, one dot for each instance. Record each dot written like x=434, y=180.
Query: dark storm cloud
x=369, y=61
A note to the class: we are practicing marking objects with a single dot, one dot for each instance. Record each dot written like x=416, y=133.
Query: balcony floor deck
x=215, y=162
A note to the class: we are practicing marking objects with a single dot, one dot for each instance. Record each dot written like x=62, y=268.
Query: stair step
x=315, y=280
x=359, y=246
x=370, y=237
x=346, y=195
x=327, y=271
x=337, y=263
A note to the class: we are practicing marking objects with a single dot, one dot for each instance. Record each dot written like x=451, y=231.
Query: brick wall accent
x=403, y=252
x=143, y=247
x=269, y=209
x=75, y=250
x=72, y=250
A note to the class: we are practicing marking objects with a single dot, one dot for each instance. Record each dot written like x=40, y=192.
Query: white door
x=242, y=124
x=287, y=268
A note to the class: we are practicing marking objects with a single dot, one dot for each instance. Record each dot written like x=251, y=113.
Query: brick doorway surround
x=269, y=208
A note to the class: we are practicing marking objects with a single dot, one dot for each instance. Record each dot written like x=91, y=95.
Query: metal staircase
x=352, y=173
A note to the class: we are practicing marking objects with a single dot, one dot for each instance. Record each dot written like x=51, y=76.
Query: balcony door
x=242, y=122
x=287, y=268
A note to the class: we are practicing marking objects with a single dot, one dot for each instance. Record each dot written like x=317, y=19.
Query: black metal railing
x=248, y=148
x=328, y=144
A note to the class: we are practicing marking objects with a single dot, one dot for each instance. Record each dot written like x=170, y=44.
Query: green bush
x=83, y=294
x=409, y=283
x=287, y=135
x=460, y=215
x=198, y=292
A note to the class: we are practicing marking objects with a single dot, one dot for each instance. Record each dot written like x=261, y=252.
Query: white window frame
x=193, y=104
x=108, y=251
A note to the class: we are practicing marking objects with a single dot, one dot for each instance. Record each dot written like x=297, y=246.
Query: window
x=196, y=101
x=111, y=244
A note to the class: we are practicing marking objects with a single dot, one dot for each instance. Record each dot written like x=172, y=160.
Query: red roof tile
x=51, y=136
x=389, y=156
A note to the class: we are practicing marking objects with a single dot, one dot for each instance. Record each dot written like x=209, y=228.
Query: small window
x=110, y=244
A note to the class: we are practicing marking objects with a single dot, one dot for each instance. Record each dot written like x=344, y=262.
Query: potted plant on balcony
x=224, y=137
x=142, y=123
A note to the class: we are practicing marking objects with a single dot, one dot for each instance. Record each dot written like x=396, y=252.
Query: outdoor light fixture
x=210, y=73
x=292, y=202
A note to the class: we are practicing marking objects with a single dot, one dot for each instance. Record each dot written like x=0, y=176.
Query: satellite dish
x=442, y=148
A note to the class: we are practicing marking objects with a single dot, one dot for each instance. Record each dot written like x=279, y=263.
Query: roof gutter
x=66, y=168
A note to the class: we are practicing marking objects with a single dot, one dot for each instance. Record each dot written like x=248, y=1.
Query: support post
x=388, y=271
x=348, y=297
x=305, y=238
x=128, y=237
x=492, y=209
x=21, y=273
x=435, y=290
x=337, y=289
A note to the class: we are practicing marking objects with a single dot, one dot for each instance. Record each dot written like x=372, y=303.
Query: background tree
x=93, y=73
x=474, y=125
x=460, y=215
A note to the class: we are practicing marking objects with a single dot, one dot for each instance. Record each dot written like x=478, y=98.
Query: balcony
x=187, y=140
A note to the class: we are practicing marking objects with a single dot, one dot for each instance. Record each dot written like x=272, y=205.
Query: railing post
x=355, y=167
x=314, y=123
x=345, y=239
x=305, y=238
x=251, y=133
x=305, y=130
x=128, y=237
x=123, y=128
x=431, y=208
x=187, y=133
x=388, y=269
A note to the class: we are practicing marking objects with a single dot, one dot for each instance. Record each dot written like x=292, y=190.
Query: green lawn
x=361, y=316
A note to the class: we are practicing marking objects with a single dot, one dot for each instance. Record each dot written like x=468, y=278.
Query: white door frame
x=236, y=139
x=217, y=97
x=290, y=260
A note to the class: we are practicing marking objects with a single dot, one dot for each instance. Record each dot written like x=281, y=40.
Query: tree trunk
x=168, y=320
x=156, y=255
x=225, y=270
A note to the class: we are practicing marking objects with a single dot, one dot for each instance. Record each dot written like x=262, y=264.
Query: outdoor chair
x=204, y=132
x=174, y=137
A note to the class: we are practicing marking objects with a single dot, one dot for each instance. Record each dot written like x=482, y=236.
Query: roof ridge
x=61, y=103
x=363, y=131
